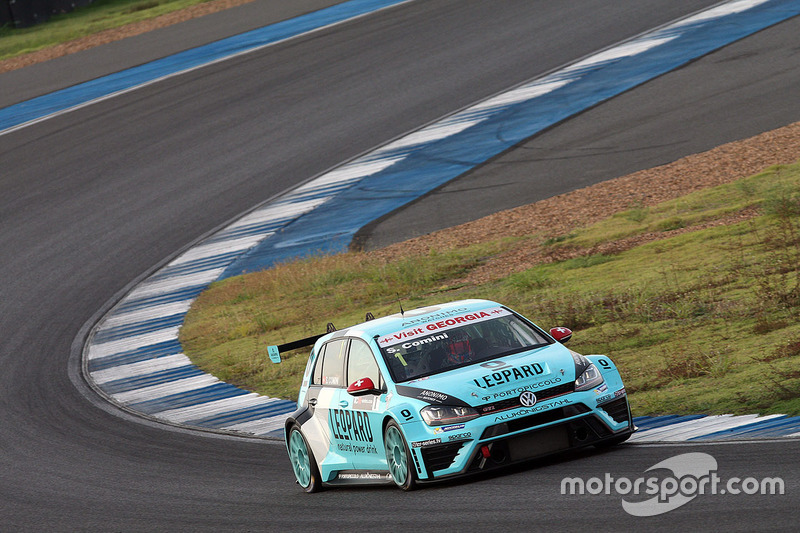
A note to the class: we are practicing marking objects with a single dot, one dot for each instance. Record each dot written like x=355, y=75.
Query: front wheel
x=303, y=463
x=398, y=457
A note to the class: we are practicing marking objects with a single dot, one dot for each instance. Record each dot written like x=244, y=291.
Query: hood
x=496, y=379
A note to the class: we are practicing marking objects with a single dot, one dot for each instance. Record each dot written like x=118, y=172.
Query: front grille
x=530, y=421
x=618, y=409
x=538, y=442
x=441, y=456
x=513, y=403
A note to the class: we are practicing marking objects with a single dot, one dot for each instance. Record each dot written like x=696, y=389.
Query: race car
x=444, y=391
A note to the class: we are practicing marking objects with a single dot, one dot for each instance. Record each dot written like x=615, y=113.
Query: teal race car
x=445, y=391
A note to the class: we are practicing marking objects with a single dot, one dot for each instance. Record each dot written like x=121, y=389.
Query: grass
x=99, y=16
x=702, y=318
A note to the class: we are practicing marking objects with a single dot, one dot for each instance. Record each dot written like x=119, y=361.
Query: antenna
x=402, y=313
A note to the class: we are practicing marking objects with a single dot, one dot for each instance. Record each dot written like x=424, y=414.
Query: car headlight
x=590, y=378
x=442, y=415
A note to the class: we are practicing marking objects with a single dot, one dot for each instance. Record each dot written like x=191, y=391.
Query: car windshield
x=434, y=347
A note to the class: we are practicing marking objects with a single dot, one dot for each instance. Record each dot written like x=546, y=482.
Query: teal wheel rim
x=298, y=453
x=396, y=455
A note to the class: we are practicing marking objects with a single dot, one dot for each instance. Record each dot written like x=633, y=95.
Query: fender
x=609, y=371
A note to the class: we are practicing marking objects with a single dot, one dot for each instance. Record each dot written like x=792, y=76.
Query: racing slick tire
x=398, y=457
x=303, y=463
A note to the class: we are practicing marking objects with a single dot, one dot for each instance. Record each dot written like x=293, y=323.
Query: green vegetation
x=701, y=318
x=99, y=16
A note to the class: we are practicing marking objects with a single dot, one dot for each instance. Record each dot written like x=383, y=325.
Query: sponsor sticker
x=431, y=315
x=348, y=425
x=353, y=447
x=433, y=396
x=429, y=396
x=605, y=398
x=511, y=374
x=363, y=475
x=443, y=429
x=365, y=403
x=519, y=390
x=440, y=324
x=524, y=411
x=429, y=442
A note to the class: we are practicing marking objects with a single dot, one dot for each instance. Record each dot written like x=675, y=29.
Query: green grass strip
x=702, y=318
x=99, y=16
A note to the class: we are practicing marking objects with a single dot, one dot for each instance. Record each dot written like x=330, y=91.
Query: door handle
x=312, y=402
x=343, y=403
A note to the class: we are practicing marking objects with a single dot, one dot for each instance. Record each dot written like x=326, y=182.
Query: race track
x=94, y=199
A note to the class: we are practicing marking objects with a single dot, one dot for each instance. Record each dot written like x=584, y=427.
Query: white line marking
x=719, y=11
x=217, y=407
x=128, y=318
x=260, y=427
x=105, y=349
x=142, y=368
x=175, y=283
x=166, y=389
x=695, y=428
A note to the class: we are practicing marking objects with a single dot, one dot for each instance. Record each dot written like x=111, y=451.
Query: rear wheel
x=398, y=457
x=303, y=463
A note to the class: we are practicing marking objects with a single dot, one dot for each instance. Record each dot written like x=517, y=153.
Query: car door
x=328, y=380
x=356, y=421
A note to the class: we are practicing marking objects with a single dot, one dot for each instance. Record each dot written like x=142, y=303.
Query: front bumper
x=521, y=438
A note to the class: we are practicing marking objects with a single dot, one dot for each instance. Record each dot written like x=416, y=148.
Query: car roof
x=421, y=315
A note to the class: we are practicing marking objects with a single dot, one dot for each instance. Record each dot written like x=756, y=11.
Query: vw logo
x=527, y=399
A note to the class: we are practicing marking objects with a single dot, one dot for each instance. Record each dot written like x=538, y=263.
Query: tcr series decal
x=422, y=443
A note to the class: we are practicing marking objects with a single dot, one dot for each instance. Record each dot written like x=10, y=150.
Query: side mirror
x=560, y=334
x=361, y=387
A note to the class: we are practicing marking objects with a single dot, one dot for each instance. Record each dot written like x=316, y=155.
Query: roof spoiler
x=274, y=352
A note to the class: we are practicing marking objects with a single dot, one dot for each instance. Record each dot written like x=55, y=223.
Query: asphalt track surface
x=94, y=199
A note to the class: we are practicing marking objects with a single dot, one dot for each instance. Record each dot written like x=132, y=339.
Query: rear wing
x=274, y=352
